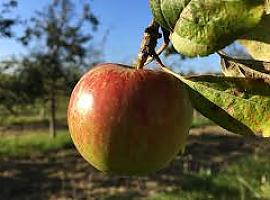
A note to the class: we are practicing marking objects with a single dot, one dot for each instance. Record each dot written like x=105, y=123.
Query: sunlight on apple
x=85, y=102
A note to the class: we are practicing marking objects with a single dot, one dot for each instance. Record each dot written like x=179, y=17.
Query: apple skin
x=128, y=121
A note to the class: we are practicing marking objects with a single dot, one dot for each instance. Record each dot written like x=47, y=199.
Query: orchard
x=130, y=120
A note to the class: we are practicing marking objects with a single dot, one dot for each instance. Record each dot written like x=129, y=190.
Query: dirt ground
x=65, y=175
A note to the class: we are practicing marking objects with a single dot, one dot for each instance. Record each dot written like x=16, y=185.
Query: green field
x=30, y=143
x=222, y=167
x=245, y=176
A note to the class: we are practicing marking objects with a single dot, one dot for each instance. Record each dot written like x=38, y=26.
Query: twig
x=149, y=42
x=166, y=42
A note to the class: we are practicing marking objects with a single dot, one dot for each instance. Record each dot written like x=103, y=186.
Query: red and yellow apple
x=129, y=121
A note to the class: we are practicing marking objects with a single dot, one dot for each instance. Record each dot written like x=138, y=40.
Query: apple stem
x=166, y=42
x=149, y=43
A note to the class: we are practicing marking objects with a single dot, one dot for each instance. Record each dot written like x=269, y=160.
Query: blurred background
x=45, y=46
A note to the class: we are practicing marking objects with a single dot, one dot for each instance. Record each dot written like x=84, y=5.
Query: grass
x=36, y=114
x=247, y=179
x=35, y=120
x=200, y=121
x=32, y=142
x=181, y=196
x=23, y=120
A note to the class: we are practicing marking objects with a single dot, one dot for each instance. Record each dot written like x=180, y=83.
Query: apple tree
x=6, y=20
x=59, y=48
x=239, y=100
x=6, y=23
x=16, y=88
x=12, y=91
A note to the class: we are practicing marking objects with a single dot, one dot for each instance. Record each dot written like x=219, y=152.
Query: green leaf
x=205, y=26
x=157, y=13
x=257, y=42
x=267, y=7
x=240, y=105
x=171, y=10
x=167, y=12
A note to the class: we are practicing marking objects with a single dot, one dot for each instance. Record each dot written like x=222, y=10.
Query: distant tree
x=8, y=97
x=16, y=86
x=6, y=21
x=59, y=38
x=8, y=86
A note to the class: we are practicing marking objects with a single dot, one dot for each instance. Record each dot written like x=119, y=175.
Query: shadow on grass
x=28, y=181
x=65, y=175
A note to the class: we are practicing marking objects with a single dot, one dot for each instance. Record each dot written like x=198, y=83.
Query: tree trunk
x=53, y=113
x=42, y=111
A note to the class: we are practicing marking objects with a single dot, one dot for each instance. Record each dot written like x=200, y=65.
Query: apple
x=129, y=121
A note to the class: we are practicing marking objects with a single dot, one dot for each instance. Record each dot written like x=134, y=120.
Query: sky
x=125, y=22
